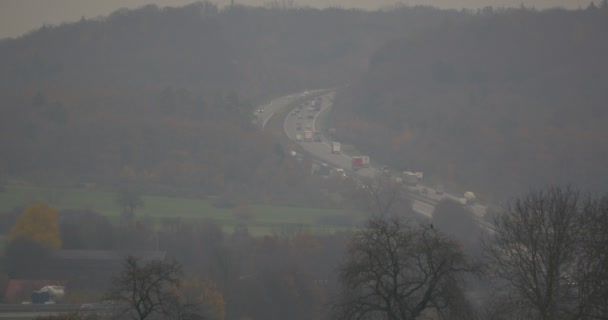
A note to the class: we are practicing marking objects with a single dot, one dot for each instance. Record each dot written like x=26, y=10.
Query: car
x=439, y=189
x=260, y=110
x=86, y=307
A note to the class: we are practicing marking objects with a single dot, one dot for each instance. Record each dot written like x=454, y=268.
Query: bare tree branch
x=146, y=289
x=398, y=271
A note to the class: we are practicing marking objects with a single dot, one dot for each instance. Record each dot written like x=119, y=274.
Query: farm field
x=264, y=219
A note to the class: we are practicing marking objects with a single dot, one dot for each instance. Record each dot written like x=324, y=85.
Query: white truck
x=48, y=295
x=469, y=198
x=412, y=178
x=365, y=161
x=335, y=147
x=298, y=137
x=308, y=136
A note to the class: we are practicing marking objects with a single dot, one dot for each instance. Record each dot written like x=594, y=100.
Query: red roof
x=18, y=291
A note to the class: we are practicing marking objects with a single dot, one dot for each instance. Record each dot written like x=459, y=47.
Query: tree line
x=501, y=101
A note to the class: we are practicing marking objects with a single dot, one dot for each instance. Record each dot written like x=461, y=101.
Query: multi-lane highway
x=322, y=150
x=422, y=203
x=265, y=113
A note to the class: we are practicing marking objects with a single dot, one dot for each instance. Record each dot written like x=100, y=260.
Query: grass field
x=265, y=218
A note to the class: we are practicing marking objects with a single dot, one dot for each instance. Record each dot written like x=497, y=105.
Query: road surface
x=322, y=150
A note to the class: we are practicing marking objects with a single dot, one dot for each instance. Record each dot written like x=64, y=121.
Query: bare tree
x=549, y=250
x=593, y=266
x=146, y=289
x=395, y=271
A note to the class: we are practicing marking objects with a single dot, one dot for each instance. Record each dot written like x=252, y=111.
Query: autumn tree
x=198, y=299
x=146, y=289
x=548, y=252
x=38, y=223
x=396, y=271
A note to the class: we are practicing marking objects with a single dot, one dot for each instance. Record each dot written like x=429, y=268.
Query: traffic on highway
x=301, y=125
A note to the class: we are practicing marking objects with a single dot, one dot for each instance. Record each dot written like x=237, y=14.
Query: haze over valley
x=304, y=160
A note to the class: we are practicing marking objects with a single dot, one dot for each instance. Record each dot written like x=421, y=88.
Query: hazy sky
x=20, y=16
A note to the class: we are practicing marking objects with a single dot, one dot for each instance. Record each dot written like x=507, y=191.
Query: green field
x=266, y=219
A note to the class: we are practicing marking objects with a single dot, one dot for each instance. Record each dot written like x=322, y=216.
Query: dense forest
x=164, y=97
x=502, y=101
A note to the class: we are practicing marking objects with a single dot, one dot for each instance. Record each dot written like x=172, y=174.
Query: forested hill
x=256, y=52
x=504, y=101
x=166, y=96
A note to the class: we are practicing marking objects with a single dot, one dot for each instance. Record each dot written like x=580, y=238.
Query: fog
x=20, y=16
x=303, y=160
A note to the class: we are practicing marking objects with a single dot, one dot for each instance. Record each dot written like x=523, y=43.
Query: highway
x=264, y=113
x=422, y=203
x=322, y=150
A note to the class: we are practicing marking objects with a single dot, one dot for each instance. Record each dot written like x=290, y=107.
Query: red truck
x=360, y=162
x=357, y=163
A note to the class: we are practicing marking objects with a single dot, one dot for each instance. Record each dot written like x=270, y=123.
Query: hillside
x=502, y=102
x=165, y=96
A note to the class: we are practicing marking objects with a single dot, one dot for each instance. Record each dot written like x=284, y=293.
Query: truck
x=365, y=160
x=469, y=198
x=48, y=294
x=335, y=147
x=308, y=136
x=298, y=137
x=356, y=163
x=360, y=162
x=311, y=112
x=412, y=178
